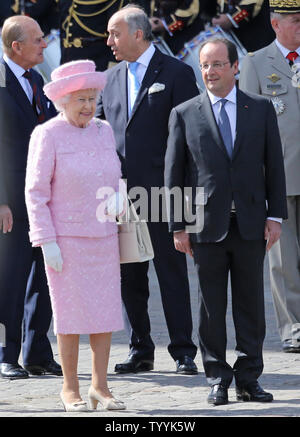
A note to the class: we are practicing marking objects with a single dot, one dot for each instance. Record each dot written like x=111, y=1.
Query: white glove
x=52, y=255
x=115, y=204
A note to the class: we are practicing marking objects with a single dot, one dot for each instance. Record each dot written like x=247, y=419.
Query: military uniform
x=5, y=10
x=250, y=20
x=268, y=73
x=181, y=17
x=83, y=25
x=45, y=12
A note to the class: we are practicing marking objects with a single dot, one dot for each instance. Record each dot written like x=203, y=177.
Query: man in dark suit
x=225, y=144
x=140, y=122
x=23, y=286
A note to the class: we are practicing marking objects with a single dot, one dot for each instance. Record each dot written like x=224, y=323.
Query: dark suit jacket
x=143, y=138
x=17, y=121
x=253, y=176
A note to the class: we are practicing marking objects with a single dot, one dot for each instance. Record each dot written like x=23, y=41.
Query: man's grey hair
x=137, y=19
x=13, y=30
x=276, y=16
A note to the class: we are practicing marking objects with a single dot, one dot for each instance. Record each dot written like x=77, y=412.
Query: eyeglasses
x=215, y=66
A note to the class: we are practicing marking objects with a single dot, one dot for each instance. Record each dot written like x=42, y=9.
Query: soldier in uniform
x=274, y=72
x=178, y=21
x=45, y=12
x=248, y=19
x=83, y=26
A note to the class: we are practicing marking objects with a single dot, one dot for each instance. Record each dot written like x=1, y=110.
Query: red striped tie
x=36, y=99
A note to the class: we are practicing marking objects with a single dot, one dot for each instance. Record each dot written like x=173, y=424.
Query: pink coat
x=66, y=167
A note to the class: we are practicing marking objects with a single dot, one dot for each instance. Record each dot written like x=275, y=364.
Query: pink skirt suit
x=66, y=167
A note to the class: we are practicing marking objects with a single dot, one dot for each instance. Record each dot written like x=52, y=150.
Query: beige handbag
x=134, y=238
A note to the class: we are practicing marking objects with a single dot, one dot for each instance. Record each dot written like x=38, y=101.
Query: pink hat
x=74, y=76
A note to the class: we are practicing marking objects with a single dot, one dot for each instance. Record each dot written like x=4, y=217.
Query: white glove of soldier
x=52, y=255
x=115, y=205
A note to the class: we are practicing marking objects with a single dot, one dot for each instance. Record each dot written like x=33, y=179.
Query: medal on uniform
x=296, y=77
x=278, y=104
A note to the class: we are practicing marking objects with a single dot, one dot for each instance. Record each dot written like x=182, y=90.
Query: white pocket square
x=156, y=88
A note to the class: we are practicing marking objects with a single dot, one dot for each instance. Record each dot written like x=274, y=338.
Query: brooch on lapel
x=156, y=88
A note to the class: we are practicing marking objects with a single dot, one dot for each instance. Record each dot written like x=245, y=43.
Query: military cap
x=285, y=6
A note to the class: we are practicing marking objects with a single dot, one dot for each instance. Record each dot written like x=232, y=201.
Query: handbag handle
x=132, y=216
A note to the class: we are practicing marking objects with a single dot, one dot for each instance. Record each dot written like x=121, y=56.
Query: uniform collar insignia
x=273, y=77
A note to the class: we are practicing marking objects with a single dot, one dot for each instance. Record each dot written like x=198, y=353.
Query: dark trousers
x=171, y=271
x=244, y=260
x=24, y=299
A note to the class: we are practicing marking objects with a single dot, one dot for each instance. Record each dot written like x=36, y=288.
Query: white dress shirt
x=144, y=61
x=18, y=72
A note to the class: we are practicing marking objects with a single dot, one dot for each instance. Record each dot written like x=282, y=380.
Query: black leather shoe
x=186, y=366
x=218, y=395
x=289, y=347
x=134, y=364
x=51, y=368
x=12, y=371
x=253, y=392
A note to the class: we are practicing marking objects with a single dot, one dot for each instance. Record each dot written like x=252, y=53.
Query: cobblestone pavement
x=161, y=392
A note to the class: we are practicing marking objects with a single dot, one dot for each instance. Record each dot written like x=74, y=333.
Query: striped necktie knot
x=27, y=75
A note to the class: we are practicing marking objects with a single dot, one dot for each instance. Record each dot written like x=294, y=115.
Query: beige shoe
x=107, y=403
x=74, y=406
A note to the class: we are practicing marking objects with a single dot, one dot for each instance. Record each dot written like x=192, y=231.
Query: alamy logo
x=160, y=205
x=2, y=335
x=2, y=76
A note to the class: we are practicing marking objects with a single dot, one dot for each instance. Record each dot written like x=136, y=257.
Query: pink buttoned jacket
x=66, y=168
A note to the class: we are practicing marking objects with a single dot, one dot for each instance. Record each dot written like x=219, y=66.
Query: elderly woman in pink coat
x=70, y=158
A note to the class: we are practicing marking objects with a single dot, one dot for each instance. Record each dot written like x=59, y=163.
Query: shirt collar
x=15, y=68
x=231, y=97
x=284, y=50
x=146, y=56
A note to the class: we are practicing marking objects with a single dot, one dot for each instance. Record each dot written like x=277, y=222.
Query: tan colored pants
x=284, y=260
